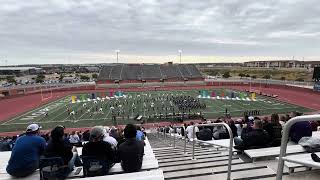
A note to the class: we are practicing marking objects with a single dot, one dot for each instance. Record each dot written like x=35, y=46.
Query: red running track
x=15, y=106
x=306, y=98
x=12, y=107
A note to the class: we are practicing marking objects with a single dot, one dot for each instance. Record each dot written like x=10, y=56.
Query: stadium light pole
x=117, y=51
x=180, y=51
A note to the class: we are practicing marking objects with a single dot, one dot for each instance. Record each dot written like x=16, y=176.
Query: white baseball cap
x=33, y=127
x=251, y=118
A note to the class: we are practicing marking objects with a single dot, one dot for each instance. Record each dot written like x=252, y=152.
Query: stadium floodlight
x=180, y=51
x=117, y=51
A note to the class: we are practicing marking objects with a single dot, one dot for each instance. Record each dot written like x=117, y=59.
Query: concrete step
x=162, y=150
x=216, y=171
x=188, y=158
x=238, y=173
x=186, y=155
x=176, y=151
x=189, y=161
x=200, y=165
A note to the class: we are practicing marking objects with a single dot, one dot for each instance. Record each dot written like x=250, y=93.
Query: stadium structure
x=135, y=74
x=147, y=90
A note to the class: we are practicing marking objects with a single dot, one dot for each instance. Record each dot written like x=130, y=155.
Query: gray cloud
x=42, y=31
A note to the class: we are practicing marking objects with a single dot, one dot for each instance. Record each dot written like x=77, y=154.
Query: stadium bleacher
x=149, y=72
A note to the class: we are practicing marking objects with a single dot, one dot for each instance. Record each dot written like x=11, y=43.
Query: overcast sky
x=84, y=31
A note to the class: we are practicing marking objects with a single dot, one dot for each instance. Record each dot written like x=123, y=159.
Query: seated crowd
x=108, y=145
x=249, y=132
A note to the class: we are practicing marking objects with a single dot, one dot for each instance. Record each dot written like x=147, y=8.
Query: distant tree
x=283, y=78
x=61, y=77
x=267, y=76
x=213, y=73
x=94, y=76
x=254, y=77
x=226, y=74
x=247, y=75
x=300, y=79
x=84, y=78
x=241, y=75
x=11, y=79
x=40, y=78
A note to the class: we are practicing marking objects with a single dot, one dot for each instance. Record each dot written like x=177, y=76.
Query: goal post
x=46, y=93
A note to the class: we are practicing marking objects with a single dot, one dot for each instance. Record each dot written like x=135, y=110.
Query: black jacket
x=59, y=149
x=257, y=138
x=100, y=149
x=205, y=134
x=274, y=130
x=130, y=154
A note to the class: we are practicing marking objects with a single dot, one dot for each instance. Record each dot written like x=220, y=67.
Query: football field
x=151, y=106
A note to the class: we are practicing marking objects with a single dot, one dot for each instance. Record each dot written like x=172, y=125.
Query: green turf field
x=139, y=103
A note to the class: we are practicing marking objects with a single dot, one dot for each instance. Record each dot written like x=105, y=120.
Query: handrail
x=285, y=137
x=185, y=137
x=230, y=145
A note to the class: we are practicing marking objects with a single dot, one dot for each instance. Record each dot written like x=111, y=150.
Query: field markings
x=30, y=112
x=214, y=107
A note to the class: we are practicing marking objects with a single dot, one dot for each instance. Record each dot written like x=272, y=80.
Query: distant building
x=69, y=80
x=211, y=65
x=20, y=71
x=282, y=64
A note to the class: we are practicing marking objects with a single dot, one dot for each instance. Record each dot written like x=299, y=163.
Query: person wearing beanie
x=97, y=147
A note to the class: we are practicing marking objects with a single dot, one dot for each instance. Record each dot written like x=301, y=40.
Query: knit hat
x=96, y=132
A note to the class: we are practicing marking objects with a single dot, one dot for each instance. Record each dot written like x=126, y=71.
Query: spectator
x=57, y=147
x=109, y=139
x=121, y=137
x=140, y=135
x=74, y=138
x=219, y=132
x=26, y=153
x=300, y=129
x=98, y=147
x=131, y=151
x=239, y=126
x=86, y=135
x=205, y=134
x=256, y=138
x=233, y=128
x=274, y=129
x=282, y=120
x=114, y=133
x=189, y=131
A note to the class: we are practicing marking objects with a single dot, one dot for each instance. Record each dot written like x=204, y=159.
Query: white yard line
x=32, y=111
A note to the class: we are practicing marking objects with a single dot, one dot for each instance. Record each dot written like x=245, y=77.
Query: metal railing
x=184, y=135
x=230, y=144
x=285, y=137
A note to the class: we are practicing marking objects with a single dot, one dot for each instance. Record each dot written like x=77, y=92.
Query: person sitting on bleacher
x=274, y=130
x=109, y=139
x=299, y=129
x=57, y=147
x=189, y=131
x=140, y=135
x=97, y=147
x=131, y=151
x=255, y=138
x=74, y=138
x=26, y=153
x=205, y=134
